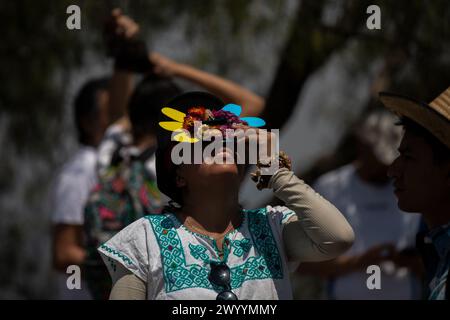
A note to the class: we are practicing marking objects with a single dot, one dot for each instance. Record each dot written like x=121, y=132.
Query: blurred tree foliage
x=412, y=45
x=412, y=48
x=37, y=51
x=38, y=55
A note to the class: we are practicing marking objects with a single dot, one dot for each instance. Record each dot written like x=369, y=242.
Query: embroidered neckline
x=230, y=233
x=222, y=255
x=178, y=274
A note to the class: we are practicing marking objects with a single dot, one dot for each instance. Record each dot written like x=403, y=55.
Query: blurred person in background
x=71, y=187
x=126, y=189
x=384, y=235
x=99, y=103
x=421, y=175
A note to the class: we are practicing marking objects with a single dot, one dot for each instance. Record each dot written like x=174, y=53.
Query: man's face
x=420, y=183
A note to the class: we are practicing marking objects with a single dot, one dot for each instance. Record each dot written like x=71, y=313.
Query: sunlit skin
x=421, y=184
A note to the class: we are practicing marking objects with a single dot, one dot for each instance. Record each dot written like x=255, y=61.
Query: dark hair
x=86, y=105
x=165, y=169
x=150, y=95
x=441, y=153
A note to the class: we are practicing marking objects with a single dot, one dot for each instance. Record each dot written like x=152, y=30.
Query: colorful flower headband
x=222, y=120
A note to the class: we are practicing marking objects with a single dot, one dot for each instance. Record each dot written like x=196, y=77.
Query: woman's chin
x=222, y=168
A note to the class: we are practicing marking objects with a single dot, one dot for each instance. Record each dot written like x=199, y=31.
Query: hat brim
x=420, y=113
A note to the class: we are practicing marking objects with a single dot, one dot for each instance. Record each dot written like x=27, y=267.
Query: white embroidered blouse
x=175, y=263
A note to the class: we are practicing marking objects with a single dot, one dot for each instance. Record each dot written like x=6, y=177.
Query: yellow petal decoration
x=184, y=137
x=174, y=114
x=171, y=125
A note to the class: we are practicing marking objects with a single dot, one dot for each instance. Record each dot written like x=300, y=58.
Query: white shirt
x=175, y=262
x=72, y=186
x=69, y=195
x=117, y=137
x=375, y=218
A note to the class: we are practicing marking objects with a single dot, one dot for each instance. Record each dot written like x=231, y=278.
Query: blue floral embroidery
x=240, y=247
x=179, y=275
x=119, y=254
x=199, y=252
x=266, y=246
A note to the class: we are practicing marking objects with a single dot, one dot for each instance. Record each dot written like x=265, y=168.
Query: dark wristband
x=132, y=55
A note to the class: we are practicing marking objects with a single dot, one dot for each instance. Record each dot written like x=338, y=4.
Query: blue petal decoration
x=254, y=121
x=233, y=108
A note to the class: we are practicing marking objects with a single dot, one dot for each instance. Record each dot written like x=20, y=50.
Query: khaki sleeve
x=318, y=231
x=129, y=287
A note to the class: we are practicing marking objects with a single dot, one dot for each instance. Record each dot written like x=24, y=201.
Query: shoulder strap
x=145, y=155
x=447, y=286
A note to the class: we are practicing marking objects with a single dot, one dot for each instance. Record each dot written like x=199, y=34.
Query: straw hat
x=435, y=116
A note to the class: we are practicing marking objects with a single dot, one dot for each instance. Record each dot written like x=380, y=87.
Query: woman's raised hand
x=262, y=181
x=261, y=145
x=120, y=26
x=163, y=66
